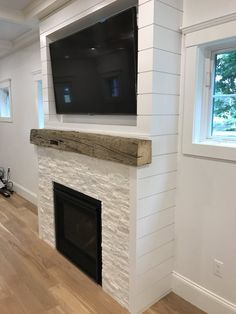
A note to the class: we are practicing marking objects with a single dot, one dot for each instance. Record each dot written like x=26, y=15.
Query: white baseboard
x=204, y=299
x=27, y=194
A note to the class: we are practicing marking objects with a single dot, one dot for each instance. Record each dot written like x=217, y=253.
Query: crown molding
x=11, y=15
x=21, y=42
x=15, y=16
x=41, y=8
x=210, y=23
x=6, y=44
x=26, y=39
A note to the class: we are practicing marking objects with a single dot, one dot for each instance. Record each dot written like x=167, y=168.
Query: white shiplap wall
x=152, y=225
x=159, y=78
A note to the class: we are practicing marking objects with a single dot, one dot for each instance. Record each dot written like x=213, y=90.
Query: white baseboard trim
x=199, y=296
x=27, y=194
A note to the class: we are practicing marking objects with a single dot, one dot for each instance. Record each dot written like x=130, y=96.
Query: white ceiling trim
x=35, y=10
x=26, y=39
x=210, y=23
x=29, y=16
x=10, y=15
x=16, y=16
x=8, y=47
x=42, y=8
x=6, y=44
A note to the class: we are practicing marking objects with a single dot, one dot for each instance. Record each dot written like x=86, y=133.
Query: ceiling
x=19, y=21
x=11, y=31
x=15, y=4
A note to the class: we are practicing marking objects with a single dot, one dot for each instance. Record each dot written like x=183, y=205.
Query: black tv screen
x=94, y=70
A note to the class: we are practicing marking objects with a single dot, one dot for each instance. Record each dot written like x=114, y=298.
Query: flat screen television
x=95, y=70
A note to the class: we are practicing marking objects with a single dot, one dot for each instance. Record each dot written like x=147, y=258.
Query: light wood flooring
x=173, y=304
x=35, y=278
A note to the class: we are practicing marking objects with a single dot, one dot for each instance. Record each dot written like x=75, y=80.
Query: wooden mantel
x=128, y=151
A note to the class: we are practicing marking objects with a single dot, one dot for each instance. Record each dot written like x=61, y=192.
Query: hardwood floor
x=35, y=278
x=173, y=304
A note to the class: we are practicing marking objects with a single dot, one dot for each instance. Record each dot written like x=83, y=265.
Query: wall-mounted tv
x=95, y=70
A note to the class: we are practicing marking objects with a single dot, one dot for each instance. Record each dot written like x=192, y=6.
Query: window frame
x=7, y=84
x=198, y=46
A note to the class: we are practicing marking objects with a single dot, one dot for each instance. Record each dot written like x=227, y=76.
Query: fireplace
x=78, y=229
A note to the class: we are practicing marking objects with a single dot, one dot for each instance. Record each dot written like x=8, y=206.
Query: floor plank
x=173, y=304
x=36, y=279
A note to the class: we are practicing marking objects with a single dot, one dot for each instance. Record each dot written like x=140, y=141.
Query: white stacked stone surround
x=106, y=181
x=151, y=225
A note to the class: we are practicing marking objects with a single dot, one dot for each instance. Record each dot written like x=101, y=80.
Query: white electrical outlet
x=218, y=268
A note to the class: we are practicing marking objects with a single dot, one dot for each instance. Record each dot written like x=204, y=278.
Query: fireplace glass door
x=78, y=229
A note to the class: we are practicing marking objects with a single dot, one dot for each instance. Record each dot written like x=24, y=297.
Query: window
x=209, y=92
x=223, y=101
x=40, y=104
x=5, y=101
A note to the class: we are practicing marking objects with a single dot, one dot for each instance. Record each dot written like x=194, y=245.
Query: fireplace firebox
x=78, y=229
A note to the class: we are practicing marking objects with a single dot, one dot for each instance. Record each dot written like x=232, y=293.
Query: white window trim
x=198, y=48
x=3, y=84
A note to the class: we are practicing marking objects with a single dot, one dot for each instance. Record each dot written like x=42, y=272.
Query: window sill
x=215, y=149
x=219, y=142
x=7, y=120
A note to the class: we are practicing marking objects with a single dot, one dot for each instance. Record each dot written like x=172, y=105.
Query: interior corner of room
x=117, y=132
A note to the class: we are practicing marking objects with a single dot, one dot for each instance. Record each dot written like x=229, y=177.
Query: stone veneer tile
x=110, y=183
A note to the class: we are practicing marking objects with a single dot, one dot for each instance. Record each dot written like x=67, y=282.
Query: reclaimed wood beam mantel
x=128, y=151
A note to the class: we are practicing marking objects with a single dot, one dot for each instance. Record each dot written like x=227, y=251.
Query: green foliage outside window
x=224, y=95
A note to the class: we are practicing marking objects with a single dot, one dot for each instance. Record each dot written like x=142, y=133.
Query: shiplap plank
x=154, y=59
x=46, y=68
x=47, y=81
x=158, y=104
x=48, y=95
x=149, y=278
x=158, y=82
x=178, y=4
x=45, y=54
x=153, y=293
x=167, y=16
x=167, y=61
x=150, y=224
x=154, y=36
x=160, y=164
x=159, y=125
x=164, y=144
x=153, y=241
x=150, y=205
x=146, y=14
x=154, y=258
x=147, y=60
x=156, y=184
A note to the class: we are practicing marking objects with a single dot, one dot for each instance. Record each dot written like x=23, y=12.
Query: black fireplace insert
x=78, y=229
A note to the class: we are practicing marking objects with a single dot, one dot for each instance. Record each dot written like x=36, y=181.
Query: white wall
x=205, y=220
x=206, y=224
x=204, y=10
x=16, y=151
